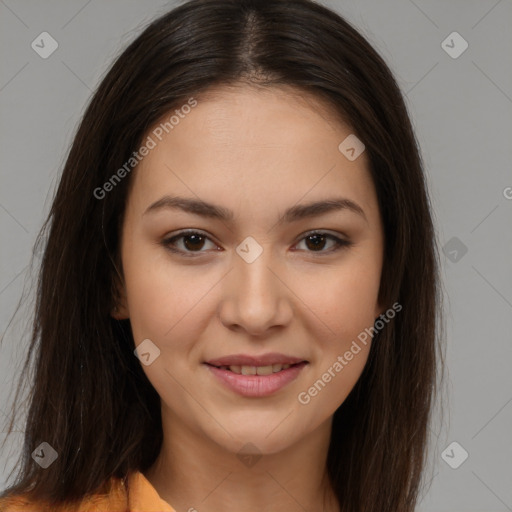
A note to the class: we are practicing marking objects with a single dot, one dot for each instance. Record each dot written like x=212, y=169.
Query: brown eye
x=317, y=241
x=187, y=243
x=190, y=242
x=193, y=242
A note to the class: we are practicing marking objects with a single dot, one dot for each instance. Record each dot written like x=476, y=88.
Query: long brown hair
x=90, y=399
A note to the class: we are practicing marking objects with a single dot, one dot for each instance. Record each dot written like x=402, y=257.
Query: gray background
x=462, y=111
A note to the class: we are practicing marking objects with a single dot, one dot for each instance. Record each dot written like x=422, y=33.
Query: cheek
x=344, y=313
x=159, y=298
x=329, y=388
x=149, y=301
x=344, y=300
x=344, y=303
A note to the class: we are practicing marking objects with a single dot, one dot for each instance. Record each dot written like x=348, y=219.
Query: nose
x=255, y=296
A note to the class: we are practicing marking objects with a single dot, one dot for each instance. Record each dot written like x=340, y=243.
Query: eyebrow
x=293, y=214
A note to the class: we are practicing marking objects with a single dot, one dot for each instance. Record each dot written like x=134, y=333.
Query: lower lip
x=257, y=385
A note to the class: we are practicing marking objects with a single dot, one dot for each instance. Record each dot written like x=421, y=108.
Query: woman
x=238, y=301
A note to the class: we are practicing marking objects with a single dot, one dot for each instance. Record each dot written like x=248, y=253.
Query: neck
x=193, y=472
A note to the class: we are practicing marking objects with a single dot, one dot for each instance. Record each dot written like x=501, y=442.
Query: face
x=259, y=281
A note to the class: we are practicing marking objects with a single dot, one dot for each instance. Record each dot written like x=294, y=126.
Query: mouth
x=255, y=377
x=257, y=370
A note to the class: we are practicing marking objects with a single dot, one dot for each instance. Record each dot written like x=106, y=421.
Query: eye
x=192, y=241
x=315, y=241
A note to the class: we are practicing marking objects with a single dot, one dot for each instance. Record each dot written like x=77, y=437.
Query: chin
x=264, y=436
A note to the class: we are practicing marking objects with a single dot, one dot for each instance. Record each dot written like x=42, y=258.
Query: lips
x=256, y=376
x=256, y=385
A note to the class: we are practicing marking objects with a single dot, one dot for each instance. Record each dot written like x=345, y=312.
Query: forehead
x=256, y=118
x=261, y=101
x=241, y=144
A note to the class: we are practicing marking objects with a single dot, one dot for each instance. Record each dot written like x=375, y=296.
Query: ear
x=119, y=309
x=120, y=312
x=379, y=310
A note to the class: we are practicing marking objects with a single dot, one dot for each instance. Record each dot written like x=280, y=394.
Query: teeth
x=264, y=370
x=257, y=370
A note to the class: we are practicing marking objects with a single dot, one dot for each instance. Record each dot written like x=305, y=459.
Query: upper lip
x=262, y=360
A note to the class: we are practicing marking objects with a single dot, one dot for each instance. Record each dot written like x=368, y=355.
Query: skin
x=256, y=152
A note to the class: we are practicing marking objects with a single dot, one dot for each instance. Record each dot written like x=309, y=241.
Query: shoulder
x=94, y=504
x=19, y=503
x=113, y=501
x=112, y=498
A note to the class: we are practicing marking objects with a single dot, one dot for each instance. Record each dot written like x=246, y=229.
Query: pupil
x=196, y=238
x=316, y=245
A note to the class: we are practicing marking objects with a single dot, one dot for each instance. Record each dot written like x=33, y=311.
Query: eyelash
x=168, y=243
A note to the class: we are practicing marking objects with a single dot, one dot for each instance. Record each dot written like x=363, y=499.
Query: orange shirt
x=143, y=498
